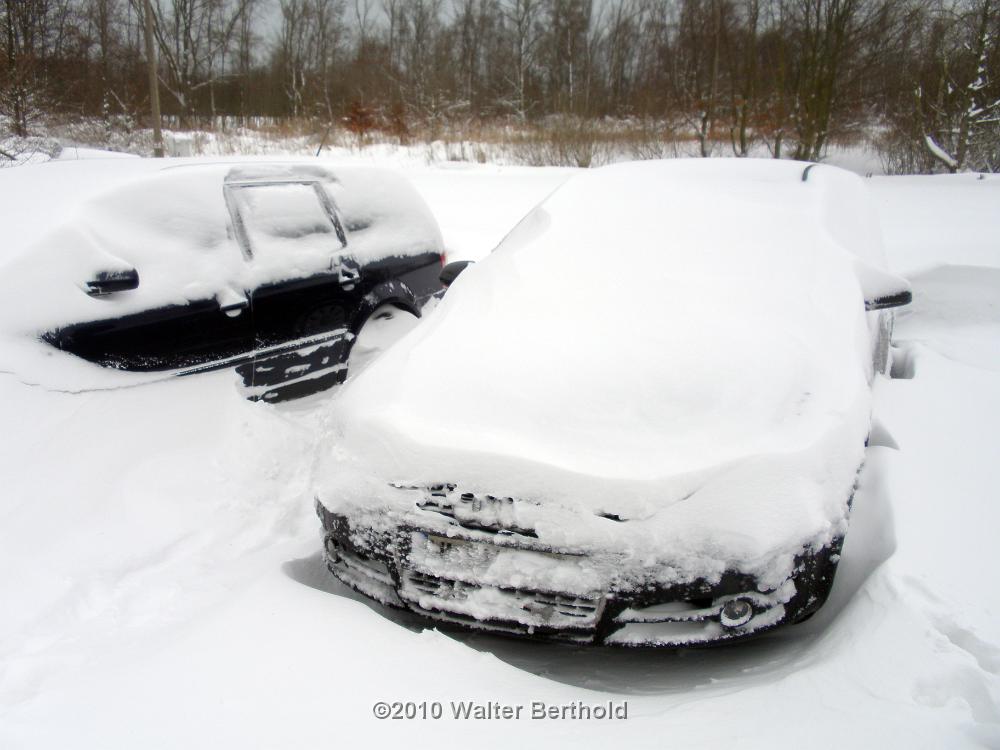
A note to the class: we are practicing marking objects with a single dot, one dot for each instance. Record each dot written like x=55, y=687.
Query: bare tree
x=742, y=64
x=827, y=30
x=701, y=34
x=34, y=32
x=293, y=51
x=522, y=18
x=619, y=35
x=960, y=110
x=246, y=40
x=192, y=37
x=329, y=34
x=565, y=49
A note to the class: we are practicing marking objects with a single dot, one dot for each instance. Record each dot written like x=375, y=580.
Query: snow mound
x=683, y=343
x=956, y=312
x=934, y=219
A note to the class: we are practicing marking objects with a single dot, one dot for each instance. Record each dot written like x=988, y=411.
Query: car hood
x=684, y=346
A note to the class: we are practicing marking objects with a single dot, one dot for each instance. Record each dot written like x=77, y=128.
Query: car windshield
x=280, y=218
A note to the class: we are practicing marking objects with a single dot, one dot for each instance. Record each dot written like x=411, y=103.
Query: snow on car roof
x=668, y=341
x=170, y=222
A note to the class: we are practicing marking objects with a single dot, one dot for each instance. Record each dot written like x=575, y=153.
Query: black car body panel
x=168, y=338
x=333, y=319
x=290, y=330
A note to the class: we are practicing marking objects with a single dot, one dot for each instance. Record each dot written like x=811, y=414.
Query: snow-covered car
x=638, y=422
x=270, y=268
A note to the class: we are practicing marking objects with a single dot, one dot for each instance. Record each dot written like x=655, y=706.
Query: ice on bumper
x=468, y=569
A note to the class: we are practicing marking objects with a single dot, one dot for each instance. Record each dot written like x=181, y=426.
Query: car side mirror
x=109, y=282
x=451, y=271
x=882, y=289
x=891, y=300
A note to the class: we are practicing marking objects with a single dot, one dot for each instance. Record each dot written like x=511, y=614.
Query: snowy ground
x=163, y=587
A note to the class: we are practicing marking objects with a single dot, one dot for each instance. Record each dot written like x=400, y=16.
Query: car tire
x=387, y=324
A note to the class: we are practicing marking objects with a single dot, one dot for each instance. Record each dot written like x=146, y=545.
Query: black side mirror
x=451, y=271
x=898, y=299
x=109, y=282
x=882, y=289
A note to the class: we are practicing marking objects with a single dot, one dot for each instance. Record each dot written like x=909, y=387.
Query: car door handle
x=235, y=308
x=232, y=303
x=348, y=274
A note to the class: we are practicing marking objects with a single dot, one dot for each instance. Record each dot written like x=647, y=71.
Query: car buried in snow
x=638, y=422
x=274, y=269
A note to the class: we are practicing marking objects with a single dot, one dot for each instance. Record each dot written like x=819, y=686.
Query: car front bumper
x=510, y=584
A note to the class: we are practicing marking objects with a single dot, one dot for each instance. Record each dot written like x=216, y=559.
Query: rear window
x=279, y=218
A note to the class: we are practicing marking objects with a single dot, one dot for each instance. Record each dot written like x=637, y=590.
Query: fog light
x=735, y=612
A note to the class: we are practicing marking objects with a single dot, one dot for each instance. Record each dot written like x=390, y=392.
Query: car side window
x=275, y=221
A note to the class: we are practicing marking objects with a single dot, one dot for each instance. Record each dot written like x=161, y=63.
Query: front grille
x=579, y=637
x=377, y=571
x=524, y=608
x=439, y=587
x=370, y=577
x=569, y=606
x=476, y=512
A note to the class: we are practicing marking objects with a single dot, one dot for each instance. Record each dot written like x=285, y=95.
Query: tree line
x=792, y=75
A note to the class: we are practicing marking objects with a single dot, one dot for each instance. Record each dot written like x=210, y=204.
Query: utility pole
x=154, y=82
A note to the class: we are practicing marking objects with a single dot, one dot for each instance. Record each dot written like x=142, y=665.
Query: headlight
x=735, y=612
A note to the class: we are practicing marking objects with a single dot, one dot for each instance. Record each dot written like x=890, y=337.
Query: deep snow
x=162, y=584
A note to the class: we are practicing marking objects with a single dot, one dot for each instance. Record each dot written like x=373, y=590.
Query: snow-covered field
x=162, y=584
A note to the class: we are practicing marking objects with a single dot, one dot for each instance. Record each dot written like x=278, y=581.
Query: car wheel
x=386, y=325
